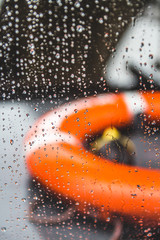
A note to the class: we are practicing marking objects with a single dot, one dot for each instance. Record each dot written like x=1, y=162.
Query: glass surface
x=57, y=52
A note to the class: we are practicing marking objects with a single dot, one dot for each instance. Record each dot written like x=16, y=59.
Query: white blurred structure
x=138, y=50
x=1, y=3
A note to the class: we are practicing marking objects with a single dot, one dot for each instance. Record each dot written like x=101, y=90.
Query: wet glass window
x=80, y=116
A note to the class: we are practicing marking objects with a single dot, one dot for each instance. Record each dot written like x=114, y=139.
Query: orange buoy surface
x=56, y=156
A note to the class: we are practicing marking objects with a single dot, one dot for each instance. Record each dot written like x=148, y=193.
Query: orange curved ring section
x=56, y=156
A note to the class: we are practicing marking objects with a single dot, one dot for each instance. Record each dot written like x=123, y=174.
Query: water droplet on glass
x=151, y=56
x=133, y=195
x=3, y=229
x=23, y=199
x=79, y=28
x=11, y=141
x=57, y=55
x=100, y=20
x=149, y=234
x=77, y=4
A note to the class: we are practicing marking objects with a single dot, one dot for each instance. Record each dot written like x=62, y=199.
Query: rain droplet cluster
x=58, y=48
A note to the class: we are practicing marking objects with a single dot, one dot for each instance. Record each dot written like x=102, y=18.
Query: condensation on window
x=80, y=113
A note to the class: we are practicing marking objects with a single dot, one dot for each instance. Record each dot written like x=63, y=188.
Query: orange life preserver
x=56, y=156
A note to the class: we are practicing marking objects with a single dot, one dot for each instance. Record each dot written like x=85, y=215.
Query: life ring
x=56, y=156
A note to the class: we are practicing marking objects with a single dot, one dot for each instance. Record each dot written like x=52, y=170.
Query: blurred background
x=51, y=52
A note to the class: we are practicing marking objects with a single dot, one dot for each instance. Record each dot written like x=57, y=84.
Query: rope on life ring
x=56, y=157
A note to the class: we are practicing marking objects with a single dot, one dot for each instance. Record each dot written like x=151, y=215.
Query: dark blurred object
x=57, y=49
x=113, y=145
